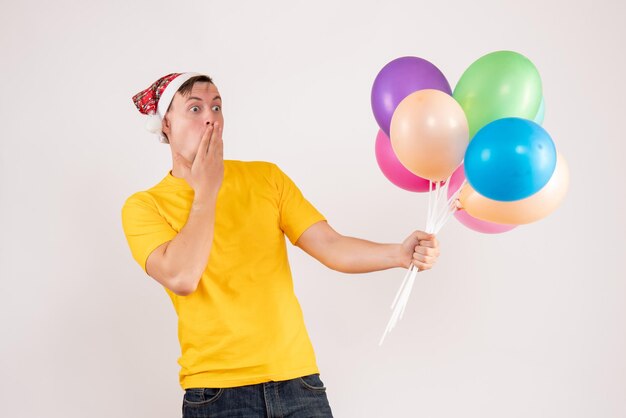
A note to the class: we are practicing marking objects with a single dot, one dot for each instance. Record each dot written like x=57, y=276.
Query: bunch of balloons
x=425, y=133
x=479, y=151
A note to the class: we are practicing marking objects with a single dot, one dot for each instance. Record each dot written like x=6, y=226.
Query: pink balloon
x=479, y=225
x=457, y=179
x=394, y=170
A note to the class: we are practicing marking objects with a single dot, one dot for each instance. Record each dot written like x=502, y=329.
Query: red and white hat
x=155, y=100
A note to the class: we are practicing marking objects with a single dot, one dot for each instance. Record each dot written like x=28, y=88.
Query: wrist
x=204, y=200
x=403, y=259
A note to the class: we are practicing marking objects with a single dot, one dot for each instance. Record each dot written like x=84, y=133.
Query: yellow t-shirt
x=243, y=325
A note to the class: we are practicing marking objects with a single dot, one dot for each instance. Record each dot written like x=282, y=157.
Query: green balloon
x=499, y=85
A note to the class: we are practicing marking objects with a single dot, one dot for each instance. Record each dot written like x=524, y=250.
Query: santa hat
x=155, y=100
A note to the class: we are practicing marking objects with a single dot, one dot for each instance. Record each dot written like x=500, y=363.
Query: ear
x=166, y=125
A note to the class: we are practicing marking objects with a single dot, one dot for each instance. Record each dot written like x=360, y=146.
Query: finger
x=426, y=259
x=421, y=235
x=427, y=243
x=220, y=129
x=217, y=145
x=216, y=131
x=203, y=148
x=421, y=266
x=431, y=252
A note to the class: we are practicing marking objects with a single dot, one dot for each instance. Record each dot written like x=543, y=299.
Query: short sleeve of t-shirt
x=296, y=213
x=144, y=227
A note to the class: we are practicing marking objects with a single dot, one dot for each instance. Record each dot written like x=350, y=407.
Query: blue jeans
x=302, y=397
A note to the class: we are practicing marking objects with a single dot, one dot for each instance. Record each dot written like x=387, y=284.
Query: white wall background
x=526, y=324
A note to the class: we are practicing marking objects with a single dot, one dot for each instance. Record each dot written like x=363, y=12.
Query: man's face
x=188, y=117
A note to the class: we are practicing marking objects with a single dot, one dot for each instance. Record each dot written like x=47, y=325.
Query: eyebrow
x=198, y=98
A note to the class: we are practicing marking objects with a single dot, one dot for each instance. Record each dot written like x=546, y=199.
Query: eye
x=216, y=108
x=194, y=109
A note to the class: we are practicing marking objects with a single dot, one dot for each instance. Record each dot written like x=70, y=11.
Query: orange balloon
x=429, y=134
x=523, y=211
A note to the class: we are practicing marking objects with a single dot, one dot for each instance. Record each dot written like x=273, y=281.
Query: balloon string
x=446, y=216
x=430, y=208
x=399, y=310
x=408, y=293
x=438, y=215
x=436, y=210
x=406, y=277
x=449, y=209
x=433, y=206
x=429, y=228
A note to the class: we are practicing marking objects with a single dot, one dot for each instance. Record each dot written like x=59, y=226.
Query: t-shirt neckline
x=176, y=181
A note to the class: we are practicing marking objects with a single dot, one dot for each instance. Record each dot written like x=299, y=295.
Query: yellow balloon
x=429, y=134
x=523, y=211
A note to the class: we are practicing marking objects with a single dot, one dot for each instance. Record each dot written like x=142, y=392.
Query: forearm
x=187, y=254
x=354, y=255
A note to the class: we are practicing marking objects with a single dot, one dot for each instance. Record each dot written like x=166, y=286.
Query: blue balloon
x=510, y=159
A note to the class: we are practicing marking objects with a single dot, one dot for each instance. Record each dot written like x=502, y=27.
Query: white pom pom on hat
x=153, y=123
x=156, y=99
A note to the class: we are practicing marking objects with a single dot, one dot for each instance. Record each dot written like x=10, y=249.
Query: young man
x=212, y=232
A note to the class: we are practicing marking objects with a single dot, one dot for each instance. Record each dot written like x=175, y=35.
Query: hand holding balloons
x=511, y=175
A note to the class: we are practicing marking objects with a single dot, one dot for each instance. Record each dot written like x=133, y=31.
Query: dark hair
x=186, y=87
x=185, y=90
